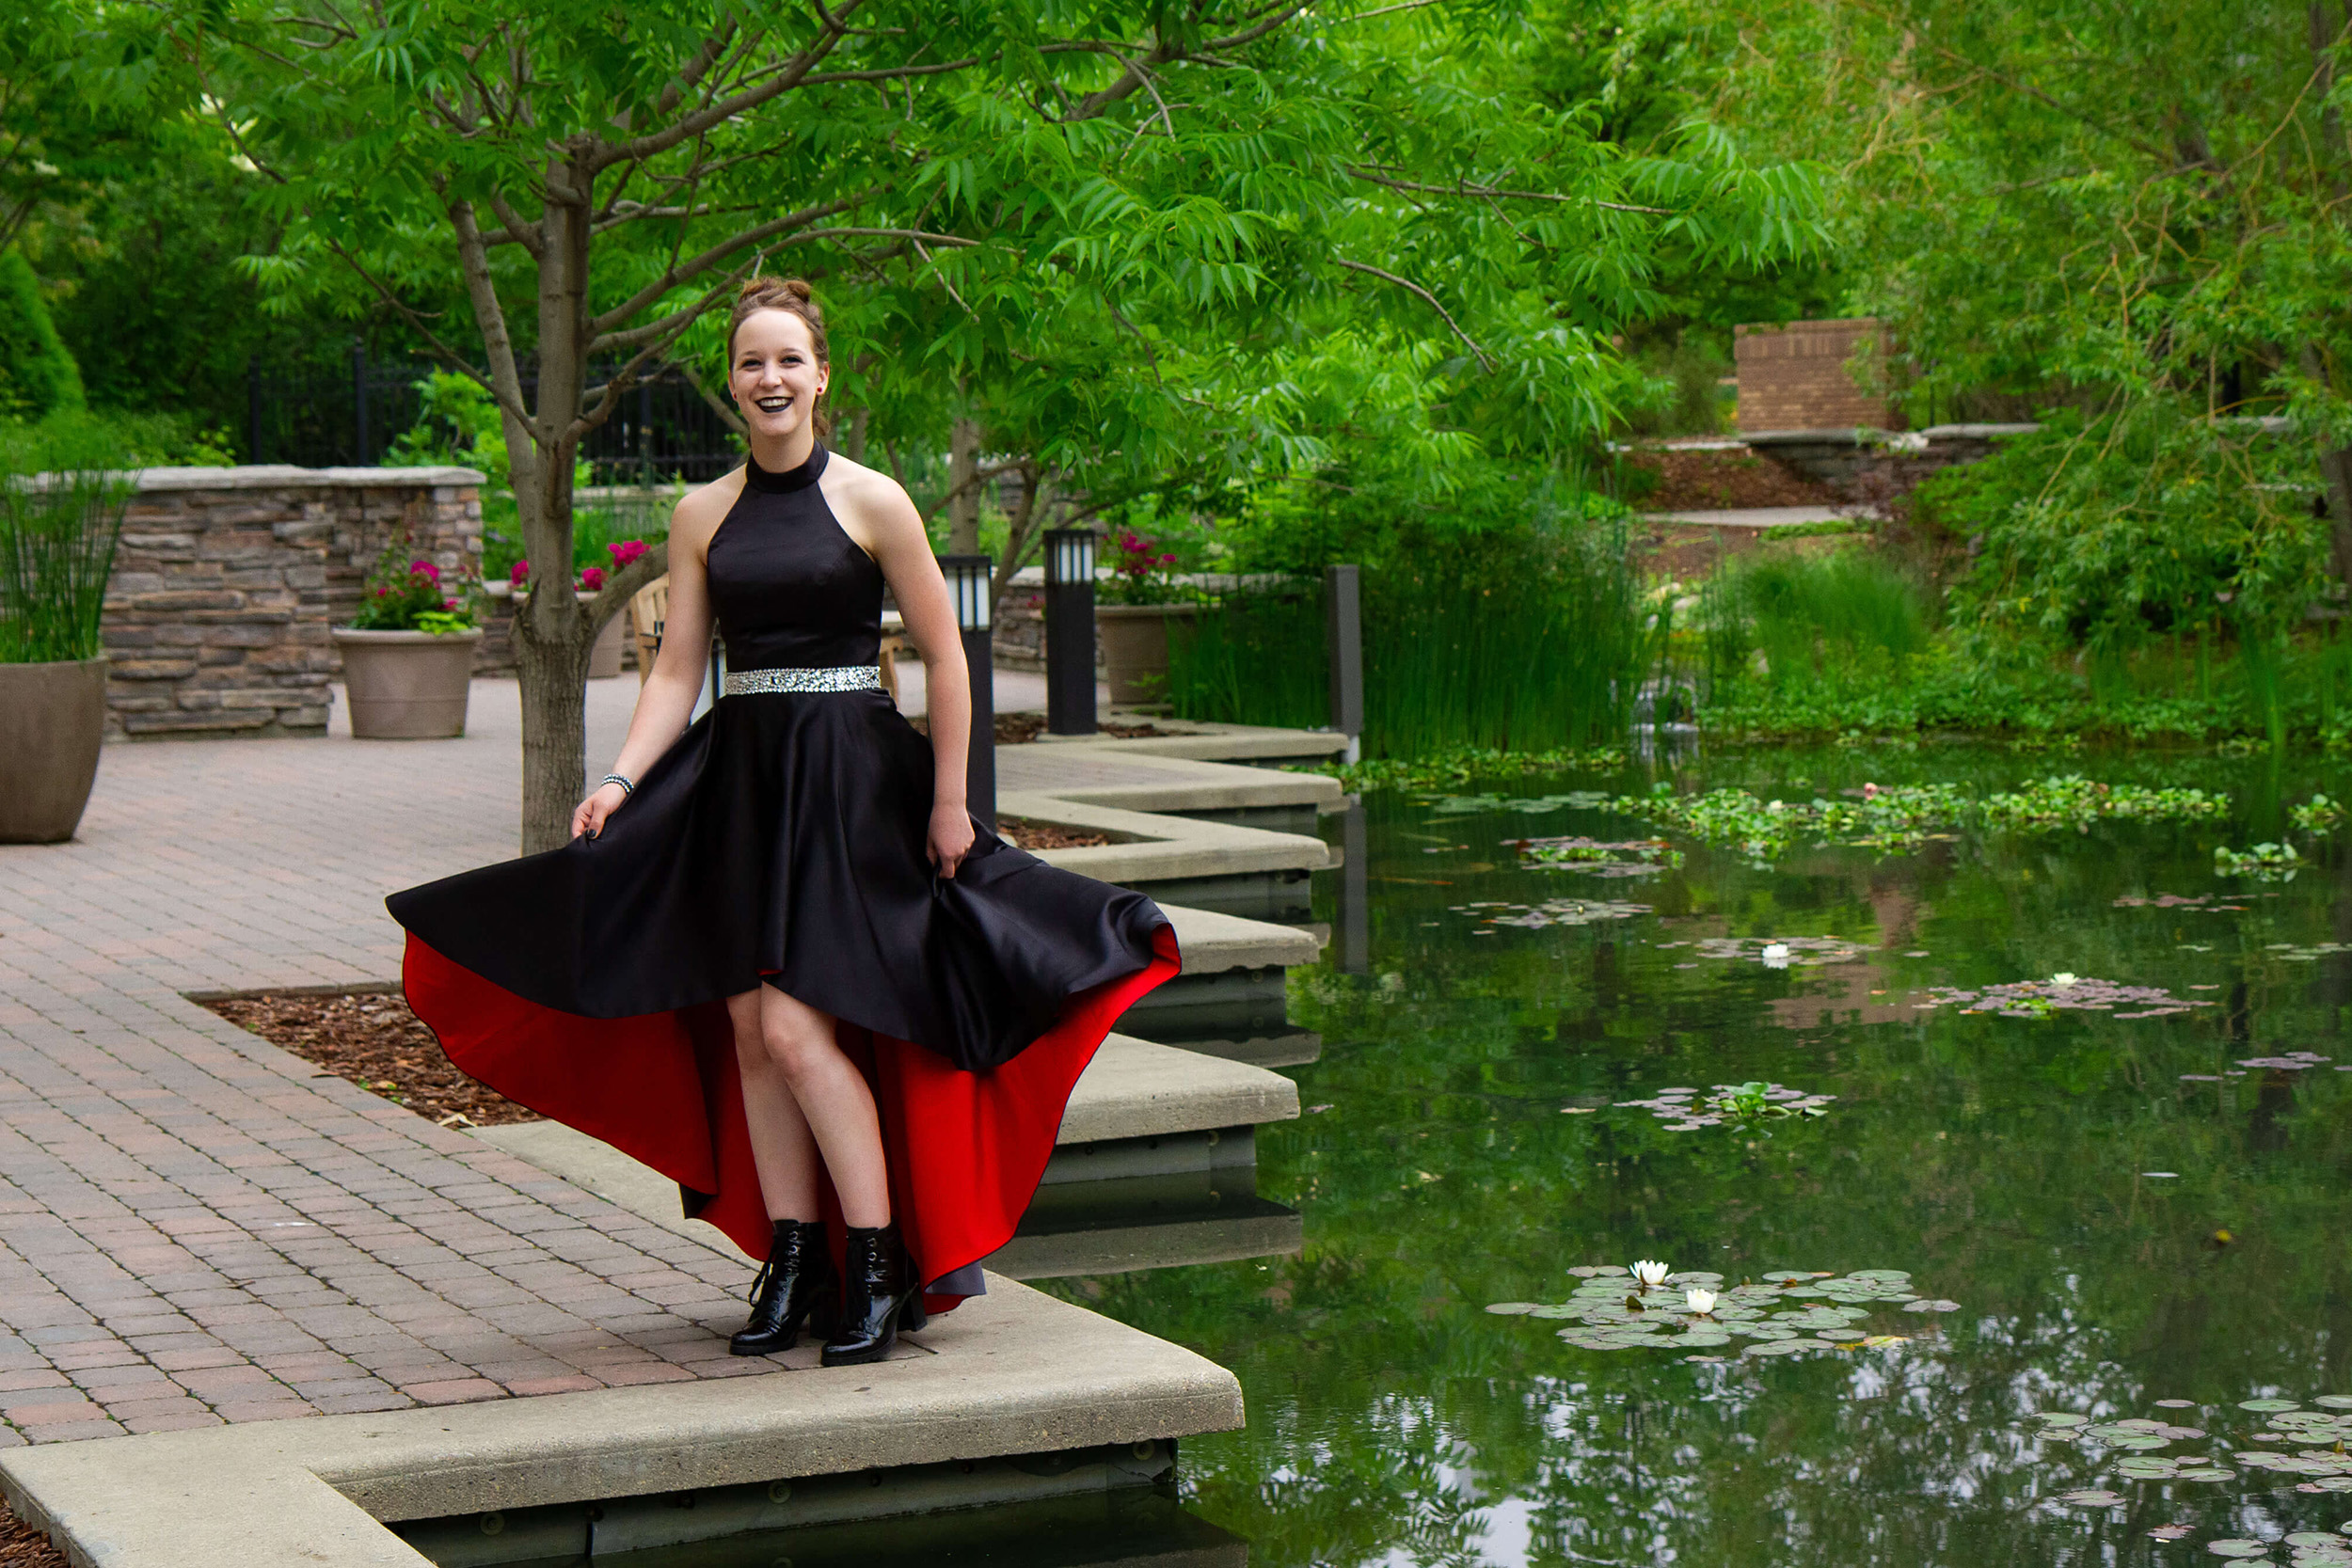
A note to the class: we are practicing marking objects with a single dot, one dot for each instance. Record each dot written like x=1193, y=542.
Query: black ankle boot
x=796, y=1285
x=880, y=1298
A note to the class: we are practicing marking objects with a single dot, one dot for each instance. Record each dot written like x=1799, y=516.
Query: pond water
x=2114, y=1217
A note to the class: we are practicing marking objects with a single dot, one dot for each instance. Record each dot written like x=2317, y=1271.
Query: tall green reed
x=1256, y=657
x=1523, y=638
x=1849, y=613
x=57, y=535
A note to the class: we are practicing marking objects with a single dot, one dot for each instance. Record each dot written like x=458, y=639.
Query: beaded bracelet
x=626, y=788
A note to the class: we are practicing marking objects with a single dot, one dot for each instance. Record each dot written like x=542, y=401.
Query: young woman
x=781, y=963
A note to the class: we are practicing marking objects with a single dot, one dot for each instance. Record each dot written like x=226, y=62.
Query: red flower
x=425, y=569
x=593, y=578
x=625, y=551
x=521, y=575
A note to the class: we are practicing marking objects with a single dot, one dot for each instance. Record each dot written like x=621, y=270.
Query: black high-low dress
x=782, y=840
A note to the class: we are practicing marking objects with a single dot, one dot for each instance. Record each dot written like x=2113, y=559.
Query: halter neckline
x=758, y=478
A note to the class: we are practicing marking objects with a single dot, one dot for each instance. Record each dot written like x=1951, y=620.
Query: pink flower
x=425, y=569
x=521, y=575
x=625, y=551
x=593, y=578
x=449, y=604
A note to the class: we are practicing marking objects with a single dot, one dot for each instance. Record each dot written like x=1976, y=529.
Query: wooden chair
x=647, y=609
x=894, y=643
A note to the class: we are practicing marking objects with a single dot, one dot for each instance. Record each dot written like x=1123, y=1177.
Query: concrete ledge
x=278, y=476
x=1014, y=1371
x=1136, y=1090
x=1213, y=943
x=1203, y=743
x=1161, y=848
x=1253, y=1227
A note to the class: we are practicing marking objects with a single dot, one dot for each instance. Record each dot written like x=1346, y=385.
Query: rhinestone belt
x=840, y=677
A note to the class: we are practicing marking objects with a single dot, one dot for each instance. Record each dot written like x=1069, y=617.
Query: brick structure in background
x=1797, y=377
x=227, y=581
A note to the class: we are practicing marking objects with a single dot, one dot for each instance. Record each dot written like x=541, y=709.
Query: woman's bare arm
x=878, y=517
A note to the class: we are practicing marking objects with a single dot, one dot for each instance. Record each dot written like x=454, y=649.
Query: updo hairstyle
x=794, y=297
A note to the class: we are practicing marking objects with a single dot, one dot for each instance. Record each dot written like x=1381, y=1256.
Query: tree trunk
x=554, y=676
x=554, y=631
x=2335, y=465
x=963, y=501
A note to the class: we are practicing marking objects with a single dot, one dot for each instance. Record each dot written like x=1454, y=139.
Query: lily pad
x=2335, y=1401
x=2060, y=1419
x=2269, y=1405
x=2171, y=1532
x=2091, y=1497
x=2236, y=1548
x=1923, y=1305
x=2314, y=1538
x=1839, y=1336
x=2210, y=1473
x=1511, y=1308
x=1781, y=1347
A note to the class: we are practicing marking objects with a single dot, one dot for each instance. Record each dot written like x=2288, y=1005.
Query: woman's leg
x=832, y=1104
x=783, y=1149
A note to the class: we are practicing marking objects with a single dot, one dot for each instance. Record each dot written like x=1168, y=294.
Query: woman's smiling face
x=776, y=376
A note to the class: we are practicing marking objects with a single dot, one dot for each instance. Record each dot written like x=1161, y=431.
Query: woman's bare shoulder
x=701, y=510
x=874, y=495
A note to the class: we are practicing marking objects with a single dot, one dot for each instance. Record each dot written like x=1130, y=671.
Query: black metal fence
x=661, y=429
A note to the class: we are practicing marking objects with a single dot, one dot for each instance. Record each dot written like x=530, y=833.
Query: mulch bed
x=1725, y=480
x=372, y=1040
x=1045, y=835
x=23, y=1546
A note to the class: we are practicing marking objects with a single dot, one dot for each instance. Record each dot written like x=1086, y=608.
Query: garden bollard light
x=1070, y=630
x=968, y=582
x=1343, y=609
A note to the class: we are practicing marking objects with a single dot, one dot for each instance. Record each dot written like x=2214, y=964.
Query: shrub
x=36, y=371
x=2156, y=522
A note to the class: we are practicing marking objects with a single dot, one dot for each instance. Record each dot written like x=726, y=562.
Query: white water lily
x=1650, y=1272
x=1775, y=955
x=1700, y=1302
x=2062, y=978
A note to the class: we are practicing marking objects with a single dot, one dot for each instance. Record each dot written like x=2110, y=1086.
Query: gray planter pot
x=406, y=685
x=52, y=718
x=1133, y=638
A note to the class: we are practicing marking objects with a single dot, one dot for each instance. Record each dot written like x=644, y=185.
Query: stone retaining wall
x=1867, y=464
x=228, y=579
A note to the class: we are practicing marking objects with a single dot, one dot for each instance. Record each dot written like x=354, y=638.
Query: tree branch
x=639, y=148
x=1464, y=188
x=686, y=271
x=1411, y=286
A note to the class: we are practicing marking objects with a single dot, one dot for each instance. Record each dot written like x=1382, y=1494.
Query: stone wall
x=1796, y=377
x=1866, y=465
x=227, y=581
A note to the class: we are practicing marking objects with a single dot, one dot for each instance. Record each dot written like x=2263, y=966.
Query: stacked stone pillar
x=228, y=579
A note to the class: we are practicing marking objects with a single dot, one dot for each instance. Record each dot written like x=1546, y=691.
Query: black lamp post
x=968, y=582
x=1070, y=630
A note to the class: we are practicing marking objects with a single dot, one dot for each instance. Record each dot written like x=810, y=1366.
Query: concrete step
x=1010, y=1373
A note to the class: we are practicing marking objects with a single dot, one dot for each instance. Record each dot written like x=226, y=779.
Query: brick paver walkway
x=197, y=1227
